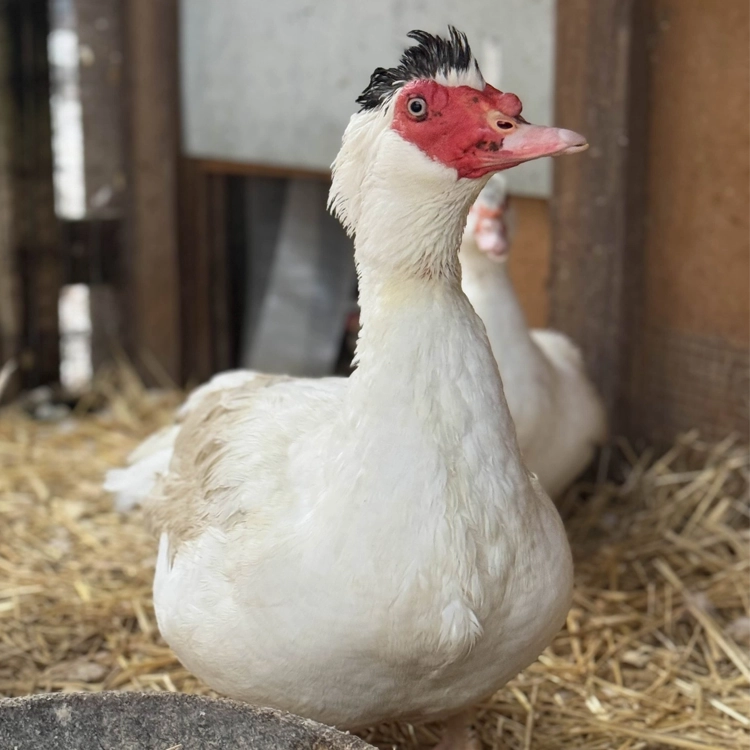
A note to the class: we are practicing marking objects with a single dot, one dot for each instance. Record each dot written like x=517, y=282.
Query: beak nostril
x=504, y=125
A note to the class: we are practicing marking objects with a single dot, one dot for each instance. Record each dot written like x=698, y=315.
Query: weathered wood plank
x=220, y=287
x=243, y=169
x=10, y=313
x=32, y=230
x=152, y=283
x=99, y=25
x=208, y=326
x=94, y=249
x=195, y=262
x=598, y=209
x=690, y=364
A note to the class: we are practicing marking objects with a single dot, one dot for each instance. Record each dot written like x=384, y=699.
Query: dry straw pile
x=655, y=650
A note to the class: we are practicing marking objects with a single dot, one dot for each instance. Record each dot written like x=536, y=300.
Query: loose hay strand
x=653, y=655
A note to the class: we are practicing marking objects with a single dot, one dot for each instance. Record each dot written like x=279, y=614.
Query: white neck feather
x=422, y=347
x=488, y=285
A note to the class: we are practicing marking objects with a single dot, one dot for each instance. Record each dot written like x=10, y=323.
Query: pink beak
x=529, y=142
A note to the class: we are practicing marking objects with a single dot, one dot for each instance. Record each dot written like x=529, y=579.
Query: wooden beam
x=10, y=312
x=93, y=250
x=32, y=243
x=195, y=263
x=206, y=284
x=598, y=209
x=99, y=26
x=95, y=256
x=245, y=169
x=220, y=287
x=152, y=286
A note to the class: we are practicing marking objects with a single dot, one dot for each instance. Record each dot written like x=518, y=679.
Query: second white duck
x=559, y=417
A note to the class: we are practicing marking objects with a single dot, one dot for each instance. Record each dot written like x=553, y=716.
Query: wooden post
x=196, y=269
x=30, y=247
x=99, y=24
x=206, y=287
x=152, y=284
x=220, y=288
x=598, y=209
x=10, y=313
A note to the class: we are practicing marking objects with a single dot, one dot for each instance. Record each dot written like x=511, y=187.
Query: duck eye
x=417, y=107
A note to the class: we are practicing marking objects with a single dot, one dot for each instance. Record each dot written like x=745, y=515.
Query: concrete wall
x=274, y=83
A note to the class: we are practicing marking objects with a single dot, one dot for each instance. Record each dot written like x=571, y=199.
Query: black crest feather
x=431, y=56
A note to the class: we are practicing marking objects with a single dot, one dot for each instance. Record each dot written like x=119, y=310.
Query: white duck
x=371, y=548
x=559, y=417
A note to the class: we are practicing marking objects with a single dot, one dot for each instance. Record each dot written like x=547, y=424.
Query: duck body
x=420, y=589
x=569, y=443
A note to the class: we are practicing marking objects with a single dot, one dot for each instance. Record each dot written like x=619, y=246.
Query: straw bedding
x=655, y=650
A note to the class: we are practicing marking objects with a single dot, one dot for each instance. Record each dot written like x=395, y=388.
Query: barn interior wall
x=530, y=257
x=690, y=365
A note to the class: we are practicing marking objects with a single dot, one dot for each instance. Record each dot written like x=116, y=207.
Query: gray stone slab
x=157, y=721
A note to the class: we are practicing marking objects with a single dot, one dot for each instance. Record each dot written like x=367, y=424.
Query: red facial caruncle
x=475, y=132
